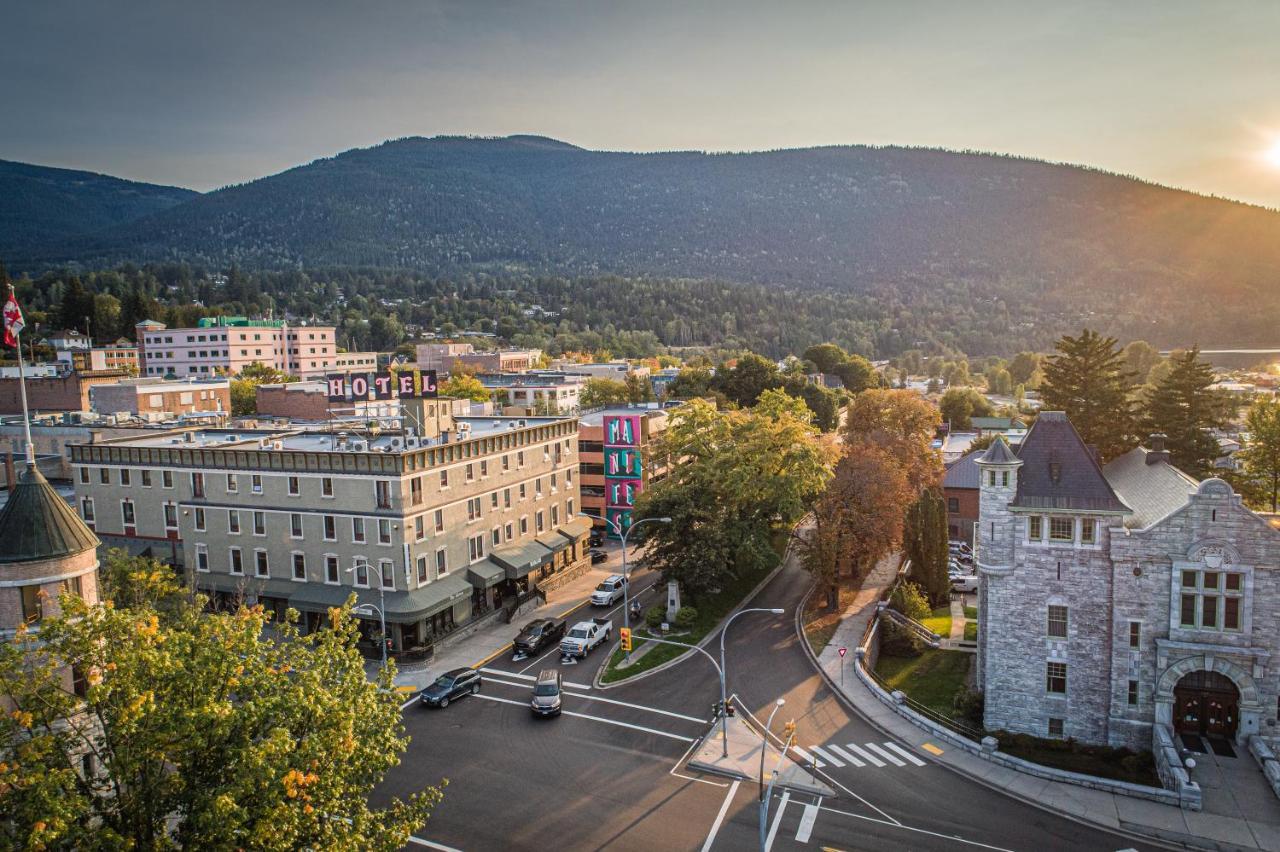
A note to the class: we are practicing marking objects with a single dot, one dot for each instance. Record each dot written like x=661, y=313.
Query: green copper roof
x=37, y=524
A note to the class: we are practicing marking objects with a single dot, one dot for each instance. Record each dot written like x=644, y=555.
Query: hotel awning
x=520, y=559
x=409, y=606
x=552, y=541
x=486, y=573
x=576, y=528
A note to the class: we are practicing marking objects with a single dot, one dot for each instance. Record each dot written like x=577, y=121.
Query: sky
x=205, y=94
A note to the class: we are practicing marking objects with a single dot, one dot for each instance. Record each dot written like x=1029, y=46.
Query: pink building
x=229, y=344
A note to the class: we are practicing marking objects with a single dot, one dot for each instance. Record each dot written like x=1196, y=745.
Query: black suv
x=547, y=694
x=450, y=685
x=539, y=634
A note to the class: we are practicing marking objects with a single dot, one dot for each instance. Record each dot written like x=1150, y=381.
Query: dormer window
x=1055, y=471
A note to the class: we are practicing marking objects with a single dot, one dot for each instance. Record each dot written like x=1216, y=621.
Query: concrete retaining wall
x=1265, y=752
x=987, y=749
x=1169, y=766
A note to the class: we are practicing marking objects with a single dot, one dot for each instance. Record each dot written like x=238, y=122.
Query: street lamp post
x=363, y=609
x=764, y=744
x=626, y=587
x=724, y=699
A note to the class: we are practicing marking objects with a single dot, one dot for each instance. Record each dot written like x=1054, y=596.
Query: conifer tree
x=925, y=542
x=1185, y=407
x=1090, y=381
x=1261, y=453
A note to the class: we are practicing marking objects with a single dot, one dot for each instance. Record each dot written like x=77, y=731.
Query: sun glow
x=1272, y=155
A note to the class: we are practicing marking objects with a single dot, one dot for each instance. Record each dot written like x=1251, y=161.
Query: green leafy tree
x=1261, y=452
x=689, y=383
x=824, y=404
x=857, y=374
x=1185, y=407
x=463, y=386
x=204, y=731
x=1139, y=357
x=826, y=357
x=924, y=539
x=244, y=387
x=751, y=376
x=599, y=392
x=1089, y=380
x=638, y=388
x=1023, y=366
x=910, y=600
x=959, y=405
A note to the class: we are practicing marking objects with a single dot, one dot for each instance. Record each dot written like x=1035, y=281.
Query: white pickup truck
x=584, y=636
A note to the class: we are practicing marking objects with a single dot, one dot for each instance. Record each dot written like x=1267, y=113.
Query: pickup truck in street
x=585, y=636
x=538, y=634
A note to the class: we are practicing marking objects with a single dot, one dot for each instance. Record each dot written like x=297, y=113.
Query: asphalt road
x=609, y=772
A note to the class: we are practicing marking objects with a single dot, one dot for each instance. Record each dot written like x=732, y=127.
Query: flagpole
x=22, y=390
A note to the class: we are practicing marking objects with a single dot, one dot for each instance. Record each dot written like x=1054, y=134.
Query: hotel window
x=1088, y=530
x=124, y=477
x=568, y=508
x=1062, y=529
x=104, y=475
x=299, y=566
x=520, y=459
x=1035, y=526
x=233, y=521
x=198, y=519
x=1055, y=678
x=493, y=500
x=1056, y=727
x=439, y=520
x=236, y=562
x=255, y=483
x=424, y=570
x=86, y=509
x=382, y=490
x=331, y=569
x=202, y=557
x=1133, y=692
x=506, y=498
x=384, y=531
x=419, y=528
x=197, y=484
x=496, y=539
x=357, y=529
x=953, y=504
x=330, y=526
x=362, y=572
x=146, y=478
x=473, y=509
x=524, y=525
x=326, y=486
x=1135, y=634
x=1004, y=478
x=484, y=468
x=538, y=524
x=259, y=523
x=444, y=479
x=170, y=515
x=442, y=562
x=506, y=463
x=510, y=530
x=166, y=478
x=387, y=574
x=523, y=492
x=568, y=478
x=295, y=486
x=261, y=565
x=415, y=490
x=1211, y=600
x=1058, y=622
x=471, y=472
x=555, y=516
x=84, y=476
x=537, y=488
x=475, y=547
x=295, y=525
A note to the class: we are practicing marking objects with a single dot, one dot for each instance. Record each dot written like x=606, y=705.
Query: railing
x=510, y=606
x=928, y=712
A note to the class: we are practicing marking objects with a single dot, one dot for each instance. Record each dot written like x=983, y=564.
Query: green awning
x=247, y=585
x=409, y=606
x=520, y=559
x=576, y=528
x=553, y=541
x=486, y=573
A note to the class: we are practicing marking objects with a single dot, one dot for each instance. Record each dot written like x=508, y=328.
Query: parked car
x=596, y=539
x=585, y=636
x=964, y=583
x=598, y=556
x=609, y=591
x=450, y=685
x=539, y=634
x=959, y=547
x=548, y=694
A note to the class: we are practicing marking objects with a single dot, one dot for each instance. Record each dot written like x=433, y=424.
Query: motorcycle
x=635, y=611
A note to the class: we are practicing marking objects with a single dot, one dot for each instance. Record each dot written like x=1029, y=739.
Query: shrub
x=654, y=616
x=685, y=617
x=909, y=599
x=897, y=641
x=967, y=707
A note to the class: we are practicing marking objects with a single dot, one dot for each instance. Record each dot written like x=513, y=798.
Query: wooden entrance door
x=1206, y=703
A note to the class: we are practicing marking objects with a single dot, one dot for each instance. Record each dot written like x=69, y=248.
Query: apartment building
x=121, y=355
x=440, y=529
x=538, y=391
x=617, y=460
x=451, y=357
x=229, y=344
x=152, y=395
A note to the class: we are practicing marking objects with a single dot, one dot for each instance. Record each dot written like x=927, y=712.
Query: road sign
x=843, y=651
x=624, y=633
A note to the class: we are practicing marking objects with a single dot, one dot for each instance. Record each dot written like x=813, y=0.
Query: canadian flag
x=13, y=323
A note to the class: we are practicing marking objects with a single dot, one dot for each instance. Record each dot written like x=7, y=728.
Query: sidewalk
x=1101, y=808
x=743, y=759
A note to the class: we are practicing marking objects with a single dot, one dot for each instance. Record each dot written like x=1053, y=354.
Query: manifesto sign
x=404, y=384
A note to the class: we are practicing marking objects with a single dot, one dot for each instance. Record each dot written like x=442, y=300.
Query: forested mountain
x=888, y=235
x=40, y=205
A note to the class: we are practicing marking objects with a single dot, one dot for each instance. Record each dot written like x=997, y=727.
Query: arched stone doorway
x=1248, y=712
x=1206, y=703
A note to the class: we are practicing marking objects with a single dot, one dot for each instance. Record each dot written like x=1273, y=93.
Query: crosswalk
x=875, y=755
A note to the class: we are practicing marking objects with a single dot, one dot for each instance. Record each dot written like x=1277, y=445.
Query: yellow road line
x=498, y=653
x=405, y=690
x=931, y=748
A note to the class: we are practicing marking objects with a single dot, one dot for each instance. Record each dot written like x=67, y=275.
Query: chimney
x=9, y=481
x=1157, y=453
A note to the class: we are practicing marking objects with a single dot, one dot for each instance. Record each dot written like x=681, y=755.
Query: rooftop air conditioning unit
x=359, y=445
x=189, y=437
x=413, y=442
x=396, y=443
x=230, y=439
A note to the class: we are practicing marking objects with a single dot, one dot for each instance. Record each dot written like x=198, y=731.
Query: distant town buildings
x=537, y=391
x=229, y=344
x=152, y=395
x=121, y=355
x=449, y=358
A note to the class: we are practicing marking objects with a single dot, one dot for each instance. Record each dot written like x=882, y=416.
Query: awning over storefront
x=486, y=573
x=236, y=584
x=575, y=529
x=520, y=559
x=553, y=541
x=401, y=606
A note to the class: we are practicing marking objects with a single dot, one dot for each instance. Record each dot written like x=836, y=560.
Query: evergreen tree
x=1185, y=407
x=1089, y=380
x=925, y=540
x=1261, y=453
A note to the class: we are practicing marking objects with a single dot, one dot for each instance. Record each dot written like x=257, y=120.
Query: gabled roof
x=37, y=524
x=999, y=453
x=996, y=423
x=1151, y=486
x=963, y=473
x=1059, y=472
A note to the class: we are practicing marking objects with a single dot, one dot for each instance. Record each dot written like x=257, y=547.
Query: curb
x=853, y=708
x=711, y=634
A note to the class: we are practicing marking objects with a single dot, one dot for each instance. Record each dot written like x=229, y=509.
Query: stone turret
x=998, y=470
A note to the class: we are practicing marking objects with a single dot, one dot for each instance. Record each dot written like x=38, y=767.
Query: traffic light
x=624, y=633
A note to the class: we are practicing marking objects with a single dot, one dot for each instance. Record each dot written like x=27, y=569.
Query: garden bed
x=1118, y=764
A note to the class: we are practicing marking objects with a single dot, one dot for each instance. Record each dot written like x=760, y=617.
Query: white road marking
x=896, y=824
x=500, y=673
x=593, y=718
x=724, y=808
x=806, y=822
x=878, y=750
x=682, y=759
x=700, y=721
x=430, y=845
x=908, y=755
x=866, y=755
x=777, y=819
x=407, y=703
x=807, y=758
x=834, y=761
x=848, y=758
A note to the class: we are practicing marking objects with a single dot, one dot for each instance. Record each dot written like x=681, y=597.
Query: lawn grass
x=939, y=621
x=971, y=613
x=933, y=678
x=971, y=631
x=710, y=610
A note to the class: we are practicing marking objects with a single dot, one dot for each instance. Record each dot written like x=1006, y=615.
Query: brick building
x=153, y=395
x=67, y=391
x=960, y=488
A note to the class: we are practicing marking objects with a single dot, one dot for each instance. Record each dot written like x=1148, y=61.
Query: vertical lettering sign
x=403, y=384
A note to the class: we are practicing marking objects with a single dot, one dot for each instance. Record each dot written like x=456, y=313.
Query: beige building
x=442, y=530
x=451, y=357
x=152, y=395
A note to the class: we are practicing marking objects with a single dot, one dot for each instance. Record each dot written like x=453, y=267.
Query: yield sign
x=843, y=651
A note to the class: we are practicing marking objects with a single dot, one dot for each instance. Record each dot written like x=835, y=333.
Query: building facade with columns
x=1115, y=598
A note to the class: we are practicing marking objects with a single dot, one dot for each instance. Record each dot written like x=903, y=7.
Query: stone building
x=1114, y=598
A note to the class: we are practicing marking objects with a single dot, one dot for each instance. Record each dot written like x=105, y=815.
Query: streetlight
x=724, y=699
x=764, y=744
x=367, y=609
x=626, y=587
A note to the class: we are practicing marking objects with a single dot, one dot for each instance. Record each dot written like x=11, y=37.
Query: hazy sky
x=202, y=94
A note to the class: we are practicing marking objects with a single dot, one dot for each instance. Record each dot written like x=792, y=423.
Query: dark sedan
x=449, y=686
x=598, y=556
